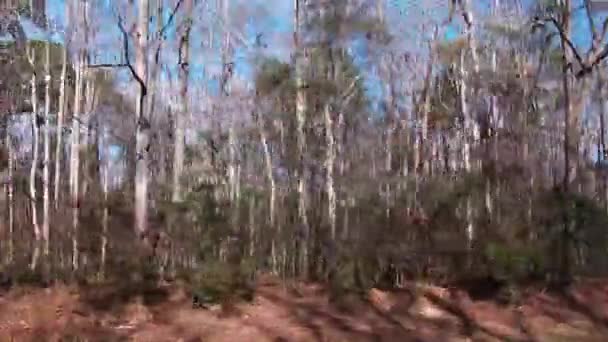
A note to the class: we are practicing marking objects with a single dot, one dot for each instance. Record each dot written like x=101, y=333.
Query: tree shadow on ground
x=469, y=324
x=317, y=320
x=563, y=303
x=112, y=296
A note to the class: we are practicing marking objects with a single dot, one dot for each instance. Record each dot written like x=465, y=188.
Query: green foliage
x=514, y=263
x=444, y=99
x=338, y=25
x=273, y=75
x=449, y=51
x=218, y=281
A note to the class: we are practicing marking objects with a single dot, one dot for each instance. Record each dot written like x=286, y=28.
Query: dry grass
x=301, y=313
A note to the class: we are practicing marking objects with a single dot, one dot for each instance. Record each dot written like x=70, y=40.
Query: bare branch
x=127, y=63
x=590, y=20
x=350, y=92
x=565, y=39
x=170, y=21
x=107, y=65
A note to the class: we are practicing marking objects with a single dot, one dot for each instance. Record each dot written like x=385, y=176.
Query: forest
x=303, y=170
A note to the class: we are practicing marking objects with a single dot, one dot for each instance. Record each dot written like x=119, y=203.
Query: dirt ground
x=301, y=312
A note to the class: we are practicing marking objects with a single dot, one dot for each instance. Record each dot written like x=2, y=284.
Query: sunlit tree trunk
x=564, y=248
x=89, y=106
x=75, y=158
x=252, y=228
x=59, y=128
x=89, y=103
x=273, y=190
x=47, y=149
x=35, y=143
x=142, y=135
x=329, y=168
x=301, y=109
x=471, y=129
x=391, y=127
x=493, y=122
x=104, y=221
x=35, y=146
x=269, y=167
x=602, y=130
x=426, y=105
x=180, y=116
x=470, y=229
x=155, y=107
x=467, y=15
x=10, y=194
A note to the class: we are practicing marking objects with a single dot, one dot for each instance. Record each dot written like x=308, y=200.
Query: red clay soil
x=300, y=312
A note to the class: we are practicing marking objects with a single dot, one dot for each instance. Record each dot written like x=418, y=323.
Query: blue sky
x=277, y=22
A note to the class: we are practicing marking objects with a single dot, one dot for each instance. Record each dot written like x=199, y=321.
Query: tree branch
x=125, y=37
x=595, y=56
x=565, y=39
x=107, y=65
x=171, y=18
x=590, y=20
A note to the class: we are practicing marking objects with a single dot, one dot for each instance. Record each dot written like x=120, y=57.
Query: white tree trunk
x=47, y=150
x=59, y=128
x=75, y=158
x=89, y=106
x=252, y=233
x=470, y=32
x=273, y=191
x=232, y=167
x=142, y=135
x=104, y=222
x=426, y=106
x=301, y=109
x=269, y=174
x=602, y=132
x=329, y=167
x=10, y=194
x=180, y=116
x=470, y=230
x=35, y=145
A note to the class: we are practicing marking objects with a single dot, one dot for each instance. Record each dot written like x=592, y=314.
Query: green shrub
x=514, y=263
x=218, y=281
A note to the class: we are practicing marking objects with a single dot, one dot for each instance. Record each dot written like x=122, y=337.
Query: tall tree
x=142, y=135
x=184, y=64
x=46, y=179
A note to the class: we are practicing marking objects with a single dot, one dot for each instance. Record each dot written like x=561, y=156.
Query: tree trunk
x=104, y=222
x=47, y=150
x=602, y=133
x=180, y=116
x=426, y=106
x=89, y=107
x=10, y=193
x=470, y=230
x=301, y=109
x=329, y=167
x=564, y=274
x=59, y=127
x=35, y=145
x=142, y=135
x=75, y=158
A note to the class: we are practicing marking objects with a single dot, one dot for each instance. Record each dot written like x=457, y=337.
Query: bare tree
x=59, y=126
x=31, y=56
x=47, y=147
x=143, y=120
x=300, y=54
x=184, y=63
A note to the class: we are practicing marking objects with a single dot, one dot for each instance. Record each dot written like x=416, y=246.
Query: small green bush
x=218, y=281
x=514, y=263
